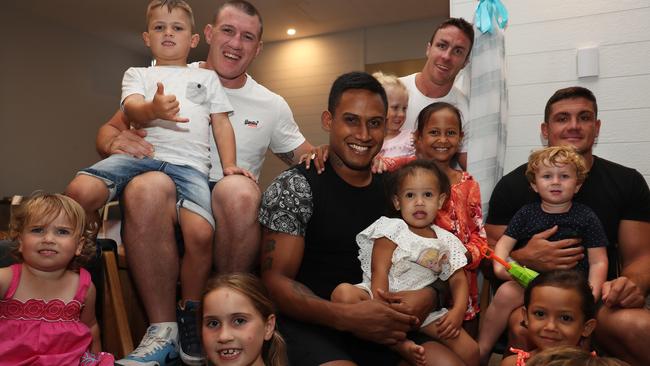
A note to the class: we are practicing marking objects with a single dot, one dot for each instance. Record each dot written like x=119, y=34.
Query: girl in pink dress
x=47, y=309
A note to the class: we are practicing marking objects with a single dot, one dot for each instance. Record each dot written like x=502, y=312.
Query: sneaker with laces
x=158, y=347
x=188, y=330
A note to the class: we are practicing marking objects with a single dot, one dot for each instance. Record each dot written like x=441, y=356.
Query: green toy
x=519, y=273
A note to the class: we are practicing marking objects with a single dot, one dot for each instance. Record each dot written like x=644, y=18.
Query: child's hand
x=237, y=170
x=449, y=325
x=378, y=165
x=166, y=106
x=319, y=155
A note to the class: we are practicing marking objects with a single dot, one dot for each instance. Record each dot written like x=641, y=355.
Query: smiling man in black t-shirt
x=310, y=223
x=620, y=198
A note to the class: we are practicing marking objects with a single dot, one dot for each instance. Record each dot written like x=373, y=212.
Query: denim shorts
x=192, y=190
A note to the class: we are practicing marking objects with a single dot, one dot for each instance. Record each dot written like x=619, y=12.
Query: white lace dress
x=417, y=261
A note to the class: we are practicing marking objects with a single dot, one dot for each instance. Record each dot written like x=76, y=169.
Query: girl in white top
x=410, y=253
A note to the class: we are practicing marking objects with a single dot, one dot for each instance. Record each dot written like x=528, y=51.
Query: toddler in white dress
x=410, y=253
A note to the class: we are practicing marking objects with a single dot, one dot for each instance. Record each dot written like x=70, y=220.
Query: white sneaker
x=158, y=347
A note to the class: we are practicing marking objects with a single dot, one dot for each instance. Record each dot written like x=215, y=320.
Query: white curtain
x=488, y=99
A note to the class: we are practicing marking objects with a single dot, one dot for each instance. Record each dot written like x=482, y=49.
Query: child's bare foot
x=411, y=352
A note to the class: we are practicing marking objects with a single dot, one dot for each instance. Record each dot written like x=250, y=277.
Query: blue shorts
x=192, y=190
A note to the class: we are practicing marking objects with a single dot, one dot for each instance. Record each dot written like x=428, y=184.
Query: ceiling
x=122, y=21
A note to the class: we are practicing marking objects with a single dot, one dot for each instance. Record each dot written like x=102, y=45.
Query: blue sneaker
x=158, y=347
x=188, y=329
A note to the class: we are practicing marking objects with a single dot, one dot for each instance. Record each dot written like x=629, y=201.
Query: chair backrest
x=6, y=258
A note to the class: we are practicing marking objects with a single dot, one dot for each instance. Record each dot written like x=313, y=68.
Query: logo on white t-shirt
x=250, y=123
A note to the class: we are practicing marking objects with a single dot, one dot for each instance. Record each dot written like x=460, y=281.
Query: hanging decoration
x=486, y=12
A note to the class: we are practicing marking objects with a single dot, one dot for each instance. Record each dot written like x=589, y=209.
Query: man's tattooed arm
x=287, y=157
x=269, y=247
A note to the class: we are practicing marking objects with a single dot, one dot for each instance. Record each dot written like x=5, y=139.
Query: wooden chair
x=127, y=311
x=116, y=332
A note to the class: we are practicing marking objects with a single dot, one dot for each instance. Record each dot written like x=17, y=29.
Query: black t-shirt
x=579, y=222
x=329, y=213
x=614, y=192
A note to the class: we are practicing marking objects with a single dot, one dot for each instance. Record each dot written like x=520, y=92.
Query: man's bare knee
x=149, y=203
x=236, y=193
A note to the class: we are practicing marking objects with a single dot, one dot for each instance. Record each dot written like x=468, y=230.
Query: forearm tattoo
x=287, y=157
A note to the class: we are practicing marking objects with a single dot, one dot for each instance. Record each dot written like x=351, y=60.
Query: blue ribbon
x=488, y=10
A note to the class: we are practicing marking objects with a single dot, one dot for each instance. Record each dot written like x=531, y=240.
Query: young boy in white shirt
x=176, y=105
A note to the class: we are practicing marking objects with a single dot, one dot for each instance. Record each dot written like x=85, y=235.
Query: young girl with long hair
x=238, y=323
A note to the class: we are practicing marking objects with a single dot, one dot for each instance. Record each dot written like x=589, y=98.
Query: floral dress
x=462, y=216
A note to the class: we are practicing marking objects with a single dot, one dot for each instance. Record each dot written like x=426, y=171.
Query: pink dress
x=399, y=146
x=43, y=333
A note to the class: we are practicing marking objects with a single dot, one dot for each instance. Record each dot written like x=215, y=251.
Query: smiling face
x=554, y=317
x=49, y=246
x=234, y=42
x=398, y=101
x=556, y=184
x=233, y=331
x=419, y=199
x=169, y=35
x=440, y=137
x=446, y=55
x=572, y=122
x=356, y=129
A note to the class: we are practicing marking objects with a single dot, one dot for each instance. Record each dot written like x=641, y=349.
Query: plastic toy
x=519, y=273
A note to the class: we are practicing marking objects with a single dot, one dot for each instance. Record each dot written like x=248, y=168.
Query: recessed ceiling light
x=291, y=31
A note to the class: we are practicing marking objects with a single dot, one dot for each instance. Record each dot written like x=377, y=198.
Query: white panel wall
x=302, y=70
x=541, y=43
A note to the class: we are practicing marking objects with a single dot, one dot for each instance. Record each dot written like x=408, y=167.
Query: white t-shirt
x=262, y=120
x=199, y=93
x=417, y=102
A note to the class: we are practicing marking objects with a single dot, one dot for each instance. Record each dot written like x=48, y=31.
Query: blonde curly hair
x=555, y=156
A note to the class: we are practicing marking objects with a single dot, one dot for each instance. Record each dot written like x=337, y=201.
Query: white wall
x=303, y=70
x=57, y=87
x=542, y=39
